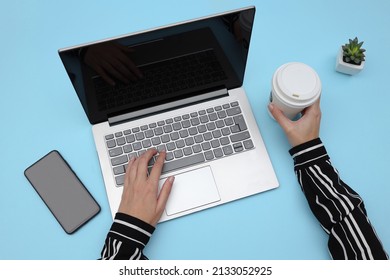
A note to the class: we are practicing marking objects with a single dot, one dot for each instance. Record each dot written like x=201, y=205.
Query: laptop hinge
x=166, y=107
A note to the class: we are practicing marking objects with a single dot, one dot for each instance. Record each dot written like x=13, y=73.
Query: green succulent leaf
x=353, y=51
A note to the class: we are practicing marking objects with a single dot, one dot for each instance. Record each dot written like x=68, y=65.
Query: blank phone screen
x=62, y=191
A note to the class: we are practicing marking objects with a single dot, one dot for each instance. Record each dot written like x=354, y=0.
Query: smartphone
x=62, y=191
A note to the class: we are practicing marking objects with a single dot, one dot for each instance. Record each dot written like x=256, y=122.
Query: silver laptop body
x=178, y=88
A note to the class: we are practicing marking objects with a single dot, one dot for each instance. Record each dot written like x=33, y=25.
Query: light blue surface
x=40, y=112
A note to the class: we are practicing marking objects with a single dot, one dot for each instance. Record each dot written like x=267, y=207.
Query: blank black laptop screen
x=136, y=71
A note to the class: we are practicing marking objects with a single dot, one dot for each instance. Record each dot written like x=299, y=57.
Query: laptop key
x=128, y=148
x=239, y=120
x=178, y=153
x=121, y=141
x=248, y=144
x=169, y=156
x=115, y=152
x=137, y=146
x=185, y=123
x=109, y=137
x=233, y=111
x=183, y=133
x=218, y=153
x=146, y=143
x=213, y=117
x=204, y=119
x=227, y=150
x=174, y=136
x=197, y=148
x=111, y=143
x=120, y=180
x=235, y=128
x=183, y=162
x=238, y=147
x=158, y=131
x=119, y=170
x=149, y=133
x=187, y=151
x=171, y=146
x=119, y=160
x=209, y=155
x=165, y=138
x=228, y=121
x=180, y=143
x=240, y=136
x=221, y=114
x=206, y=146
x=156, y=141
x=224, y=141
x=140, y=136
x=130, y=138
x=176, y=126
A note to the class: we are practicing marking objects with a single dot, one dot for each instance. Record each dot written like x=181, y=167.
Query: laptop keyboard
x=188, y=139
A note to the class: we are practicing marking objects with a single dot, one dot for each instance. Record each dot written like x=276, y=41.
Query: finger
x=157, y=167
x=164, y=194
x=283, y=121
x=313, y=109
x=131, y=170
x=143, y=163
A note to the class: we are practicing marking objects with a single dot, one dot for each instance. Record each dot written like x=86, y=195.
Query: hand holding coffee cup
x=295, y=86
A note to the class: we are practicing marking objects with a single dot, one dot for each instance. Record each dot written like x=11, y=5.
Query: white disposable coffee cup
x=295, y=86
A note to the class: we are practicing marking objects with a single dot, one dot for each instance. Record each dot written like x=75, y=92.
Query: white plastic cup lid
x=297, y=84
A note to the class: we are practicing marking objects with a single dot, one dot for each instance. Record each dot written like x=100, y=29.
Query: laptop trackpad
x=191, y=189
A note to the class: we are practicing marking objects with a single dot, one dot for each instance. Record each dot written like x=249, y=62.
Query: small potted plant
x=351, y=57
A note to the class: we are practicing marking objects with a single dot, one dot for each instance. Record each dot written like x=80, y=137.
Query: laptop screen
x=133, y=72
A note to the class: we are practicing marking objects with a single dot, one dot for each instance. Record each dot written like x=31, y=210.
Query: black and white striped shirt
x=338, y=208
x=126, y=239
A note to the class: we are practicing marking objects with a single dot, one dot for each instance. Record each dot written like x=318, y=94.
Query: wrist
x=308, y=153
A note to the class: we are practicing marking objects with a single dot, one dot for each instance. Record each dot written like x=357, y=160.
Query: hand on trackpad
x=191, y=189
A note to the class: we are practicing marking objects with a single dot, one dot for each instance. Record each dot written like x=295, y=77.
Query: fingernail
x=171, y=179
x=271, y=106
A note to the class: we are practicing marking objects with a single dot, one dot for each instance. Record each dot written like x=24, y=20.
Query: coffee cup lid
x=297, y=82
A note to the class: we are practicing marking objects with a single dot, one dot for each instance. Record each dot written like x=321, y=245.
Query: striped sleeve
x=126, y=239
x=338, y=208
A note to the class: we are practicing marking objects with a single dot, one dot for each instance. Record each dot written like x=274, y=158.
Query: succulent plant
x=353, y=52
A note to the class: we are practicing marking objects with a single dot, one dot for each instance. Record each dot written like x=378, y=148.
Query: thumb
x=164, y=194
x=283, y=121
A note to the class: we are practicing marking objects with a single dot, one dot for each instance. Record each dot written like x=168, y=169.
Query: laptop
x=178, y=88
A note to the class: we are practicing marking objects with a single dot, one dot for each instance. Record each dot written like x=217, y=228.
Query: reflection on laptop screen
x=140, y=70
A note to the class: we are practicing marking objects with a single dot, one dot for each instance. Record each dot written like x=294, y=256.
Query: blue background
x=40, y=111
